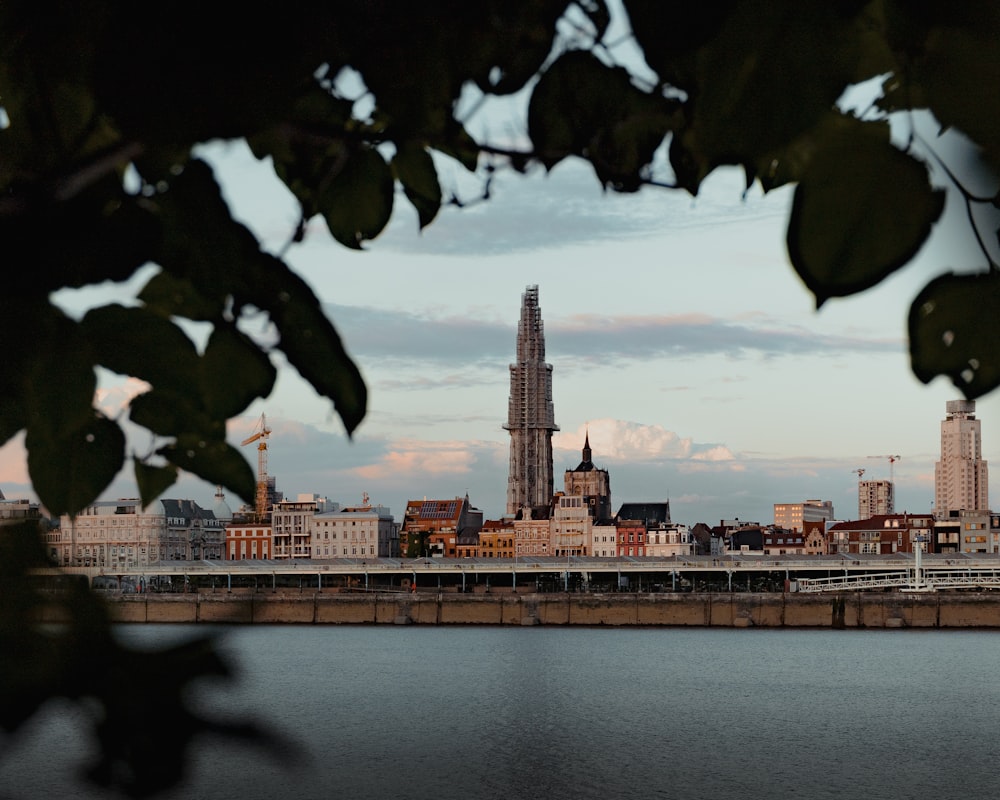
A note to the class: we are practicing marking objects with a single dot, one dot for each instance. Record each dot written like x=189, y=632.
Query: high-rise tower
x=961, y=477
x=530, y=414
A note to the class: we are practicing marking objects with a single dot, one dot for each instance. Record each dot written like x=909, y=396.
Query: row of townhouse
x=885, y=534
x=570, y=529
x=299, y=529
x=123, y=534
x=881, y=534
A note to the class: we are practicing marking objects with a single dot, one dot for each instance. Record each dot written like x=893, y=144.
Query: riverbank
x=735, y=610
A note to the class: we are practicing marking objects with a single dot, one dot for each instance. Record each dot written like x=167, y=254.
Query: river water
x=483, y=712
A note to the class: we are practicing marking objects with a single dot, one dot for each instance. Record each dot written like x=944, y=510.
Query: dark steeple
x=587, y=464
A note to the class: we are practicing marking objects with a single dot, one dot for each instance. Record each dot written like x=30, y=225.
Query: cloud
x=415, y=457
x=616, y=441
x=116, y=392
x=406, y=340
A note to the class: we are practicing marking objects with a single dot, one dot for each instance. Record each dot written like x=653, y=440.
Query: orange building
x=249, y=540
x=496, y=539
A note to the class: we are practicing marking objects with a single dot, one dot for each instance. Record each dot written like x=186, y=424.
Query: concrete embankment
x=854, y=610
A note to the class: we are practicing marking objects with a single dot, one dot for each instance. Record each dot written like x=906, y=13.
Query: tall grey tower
x=961, y=477
x=530, y=414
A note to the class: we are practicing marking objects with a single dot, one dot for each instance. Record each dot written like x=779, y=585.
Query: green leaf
x=69, y=472
x=233, y=372
x=765, y=73
x=953, y=332
x=456, y=143
x=414, y=169
x=213, y=461
x=137, y=342
x=357, y=201
x=222, y=259
x=169, y=295
x=153, y=481
x=313, y=346
x=583, y=107
x=861, y=211
x=169, y=412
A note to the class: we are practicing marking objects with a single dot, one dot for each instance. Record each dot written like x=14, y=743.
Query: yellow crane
x=261, y=432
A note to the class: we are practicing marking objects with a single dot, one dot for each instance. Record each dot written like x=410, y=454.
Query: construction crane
x=892, y=460
x=858, y=472
x=261, y=432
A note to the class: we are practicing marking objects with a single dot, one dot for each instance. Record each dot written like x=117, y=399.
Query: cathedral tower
x=530, y=414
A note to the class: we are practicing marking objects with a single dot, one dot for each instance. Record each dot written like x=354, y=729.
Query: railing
x=929, y=579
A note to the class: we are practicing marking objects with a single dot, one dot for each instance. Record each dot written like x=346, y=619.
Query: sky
x=680, y=339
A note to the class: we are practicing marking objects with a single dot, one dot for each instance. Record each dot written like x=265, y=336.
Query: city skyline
x=679, y=337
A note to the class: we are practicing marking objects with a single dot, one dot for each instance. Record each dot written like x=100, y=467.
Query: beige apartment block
x=961, y=477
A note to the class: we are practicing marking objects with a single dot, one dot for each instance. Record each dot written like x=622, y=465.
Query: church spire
x=531, y=417
x=587, y=459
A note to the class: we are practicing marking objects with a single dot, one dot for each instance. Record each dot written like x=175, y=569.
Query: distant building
x=122, y=534
x=777, y=541
x=661, y=537
x=291, y=526
x=497, y=539
x=961, y=477
x=359, y=532
x=249, y=540
x=883, y=534
x=631, y=537
x=432, y=527
x=793, y=515
x=530, y=415
x=571, y=526
x=875, y=497
x=604, y=540
x=591, y=483
x=966, y=532
x=667, y=539
x=532, y=537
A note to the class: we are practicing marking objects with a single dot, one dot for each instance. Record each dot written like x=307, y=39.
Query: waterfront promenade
x=731, y=573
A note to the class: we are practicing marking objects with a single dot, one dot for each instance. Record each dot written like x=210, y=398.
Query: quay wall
x=742, y=610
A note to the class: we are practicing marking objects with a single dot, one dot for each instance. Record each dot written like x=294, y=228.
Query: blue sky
x=679, y=335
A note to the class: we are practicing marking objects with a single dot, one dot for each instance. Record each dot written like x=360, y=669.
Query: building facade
x=291, y=523
x=433, y=527
x=590, y=482
x=122, y=534
x=793, y=515
x=875, y=497
x=571, y=526
x=361, y=532
x=530, y=414
x=961, y=477
x=249, y=541
x=532, y=537
x=883, y=534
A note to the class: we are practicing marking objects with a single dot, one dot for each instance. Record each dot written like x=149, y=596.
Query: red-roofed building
x=433, y=527
x=883, y=534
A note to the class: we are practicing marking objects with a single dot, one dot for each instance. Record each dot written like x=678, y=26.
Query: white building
x=604, y=541
x=123, y=534
x=669, y=539
x=961, y=477
x=291, y=522
x=363, y=532
x=571, y=526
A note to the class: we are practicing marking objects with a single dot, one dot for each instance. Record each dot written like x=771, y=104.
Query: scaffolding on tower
x=261, y=432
